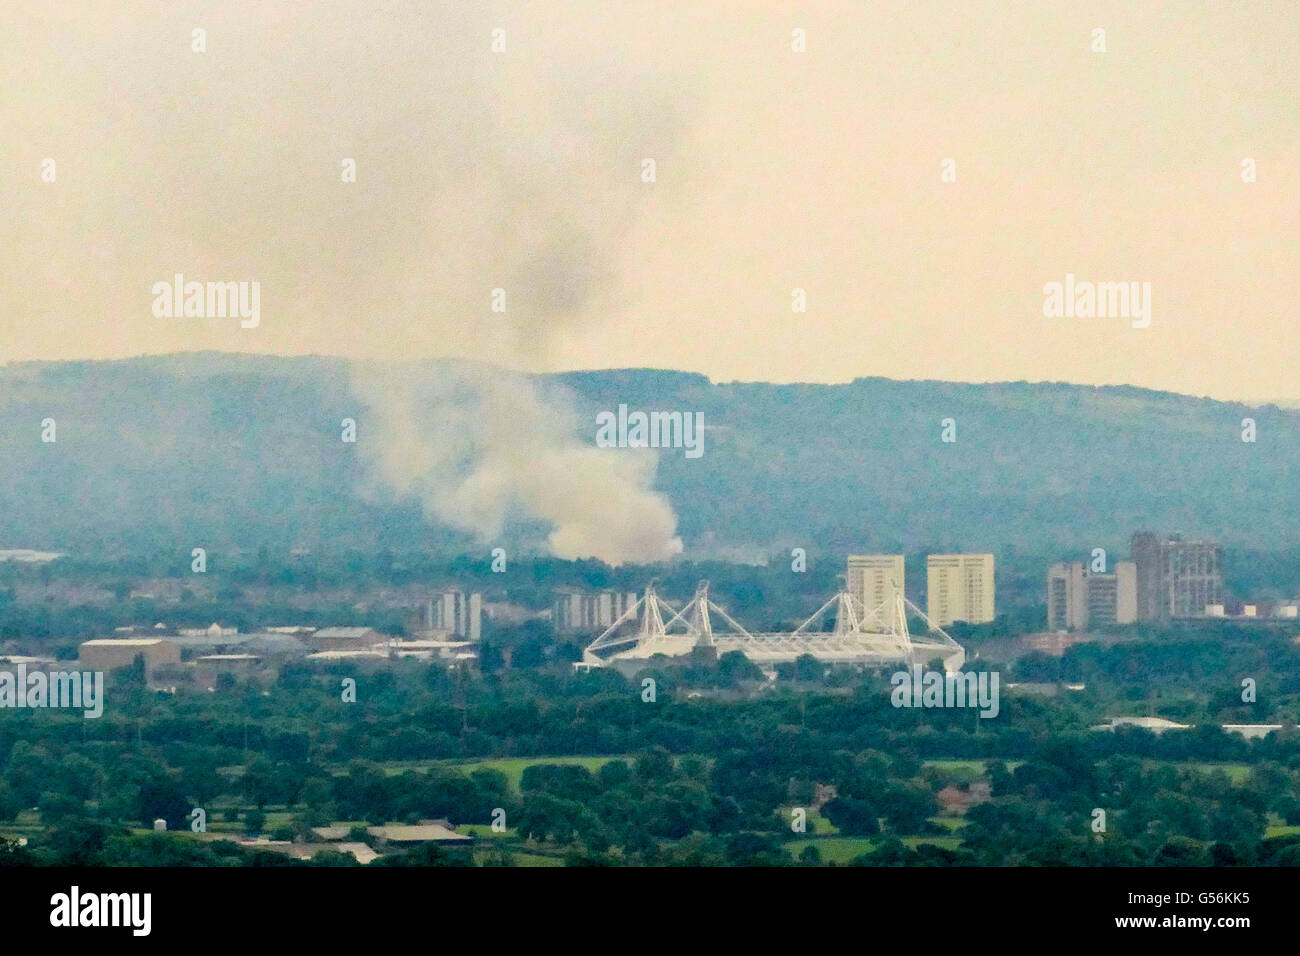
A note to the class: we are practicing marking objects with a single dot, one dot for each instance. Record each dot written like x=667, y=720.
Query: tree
x=808, y=668
x=254, y=822
x=853, y=817
x=907, y=807
x=162, y=798
x=655, y=765
x=77, y=842
x=426, y=854
x=734, y=667
x=258, y=780
x=490, y=660
x=1180, y=851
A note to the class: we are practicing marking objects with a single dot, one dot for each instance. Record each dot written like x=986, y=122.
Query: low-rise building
x=31, y=663
x=400, y=835
x=108, y=654
x=1055, y=643
x=1251, y=731
x=211, y=666
x=1157, y=725
x=213, y=630
x=428, y=650
x=369, y=654
x=345, y=639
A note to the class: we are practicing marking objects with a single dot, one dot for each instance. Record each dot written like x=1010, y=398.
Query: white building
x=453, y=611
x=959, y=587
x=1078, y=599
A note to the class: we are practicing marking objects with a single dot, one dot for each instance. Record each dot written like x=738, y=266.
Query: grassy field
x=842, y=849
x=1237, y=772
x=943, y=842
x=831, y=844
x=513, y=767
x=838, y=849
x=817, y=824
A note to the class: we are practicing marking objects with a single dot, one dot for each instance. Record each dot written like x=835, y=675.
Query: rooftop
x=123, y=642
x=427, y=645
x=343, y=631
x=340, y=655
x=423, y=833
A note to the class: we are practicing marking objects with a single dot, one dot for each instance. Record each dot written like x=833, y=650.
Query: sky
x=775, y=170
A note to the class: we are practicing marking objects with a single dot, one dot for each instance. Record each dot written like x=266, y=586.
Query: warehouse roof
x=343, y=631
x=123, y=642
x=425, y=833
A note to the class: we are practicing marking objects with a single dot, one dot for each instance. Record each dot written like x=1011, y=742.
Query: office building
x=1067, y=597
x=1176, y=578
x=455, y=612
x=876, y=580
x=1078, y=598
x=575, y=611
x=959, y=587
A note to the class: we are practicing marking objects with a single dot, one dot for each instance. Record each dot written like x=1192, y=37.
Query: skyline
x=1284, y=403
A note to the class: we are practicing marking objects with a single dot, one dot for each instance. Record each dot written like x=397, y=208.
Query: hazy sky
x=775, y=170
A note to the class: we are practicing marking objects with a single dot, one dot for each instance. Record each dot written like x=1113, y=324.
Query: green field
x=817, y=824
x=513, y=767
x=943, y=842
x=841, y=849
x=520, y=859
x=834, y=849
x=1237, y=772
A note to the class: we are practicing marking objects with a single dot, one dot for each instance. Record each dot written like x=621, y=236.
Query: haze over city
x=650, y=435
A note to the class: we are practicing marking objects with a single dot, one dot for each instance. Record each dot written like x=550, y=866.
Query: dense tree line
x=720, y=758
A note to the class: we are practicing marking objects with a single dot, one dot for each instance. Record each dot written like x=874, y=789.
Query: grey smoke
x=475, y=170
x=474, y=443
x=535, y=205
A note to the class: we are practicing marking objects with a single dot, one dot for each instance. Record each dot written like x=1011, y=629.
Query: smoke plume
x=493, y=146
x=533, y=185
x=479, y=445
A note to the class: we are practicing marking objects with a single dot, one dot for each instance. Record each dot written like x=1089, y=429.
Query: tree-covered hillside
x=243, y=451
